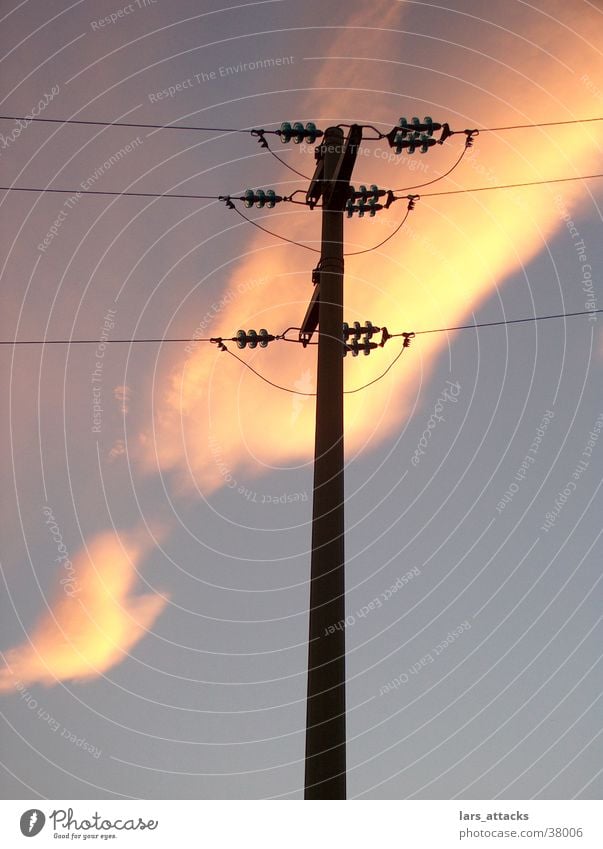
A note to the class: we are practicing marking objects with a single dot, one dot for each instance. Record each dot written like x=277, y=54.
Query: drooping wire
x=442, y=176
x=265, y=379
x=411, y=204
x=313, y=394
x=406, y=345
x=379, y=377
x=264, y=144
x=276, y=235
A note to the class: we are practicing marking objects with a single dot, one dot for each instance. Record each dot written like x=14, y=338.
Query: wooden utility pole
x=325, y=726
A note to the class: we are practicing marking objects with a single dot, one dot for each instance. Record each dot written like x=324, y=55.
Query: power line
x=441, y=177
x=417, y=197
x=391, y=235
x=286, y=164
x=510, y=186
x=264, y=143
x=276, y=235
x=222, y=197
x=313, y=394
x=402, y=349
x=316, y=250
x=266, y=380
x=31, y=119
x=92, y=341
x=464, y=326
x=533, y=126
x=500, y=323
x=281, y=337
x=382, y=375
x=110, y=194
x=125, y=124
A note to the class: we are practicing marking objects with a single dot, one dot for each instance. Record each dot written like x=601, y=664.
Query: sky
x=158, y=498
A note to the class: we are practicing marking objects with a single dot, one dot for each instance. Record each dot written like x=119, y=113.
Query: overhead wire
x=31, y=119
x=534, y=126
x=402, y=349
x=215, y=339
x=276, y=235
x=442, y=176
x=379, y=377
x=286, y=164
x=412, y=198
x=317, y=250
x=313, y=394
x=510, y=186
x=500, y=323
x=109, y=194
x=380, y=135
x=391, y=235
x=264, y=143
x=281, y=337
x=265, y=379
x=222, y=197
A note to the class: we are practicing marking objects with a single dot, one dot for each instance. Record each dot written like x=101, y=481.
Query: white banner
x=293, y=824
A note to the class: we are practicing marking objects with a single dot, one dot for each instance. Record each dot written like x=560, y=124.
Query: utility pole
x=325, y=776
x=325, y=762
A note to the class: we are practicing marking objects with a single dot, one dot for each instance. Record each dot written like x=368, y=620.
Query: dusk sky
x=157, y=496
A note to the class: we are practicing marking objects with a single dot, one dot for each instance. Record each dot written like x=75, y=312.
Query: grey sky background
x=210, y=703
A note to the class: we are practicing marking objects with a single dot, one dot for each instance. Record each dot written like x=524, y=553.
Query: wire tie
x=260, y=137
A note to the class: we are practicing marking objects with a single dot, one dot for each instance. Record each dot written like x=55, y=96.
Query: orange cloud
x=94, y=620
x=214, y=420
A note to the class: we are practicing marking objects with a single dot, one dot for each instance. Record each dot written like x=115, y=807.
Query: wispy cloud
x=455, y=252
x=93, y=628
